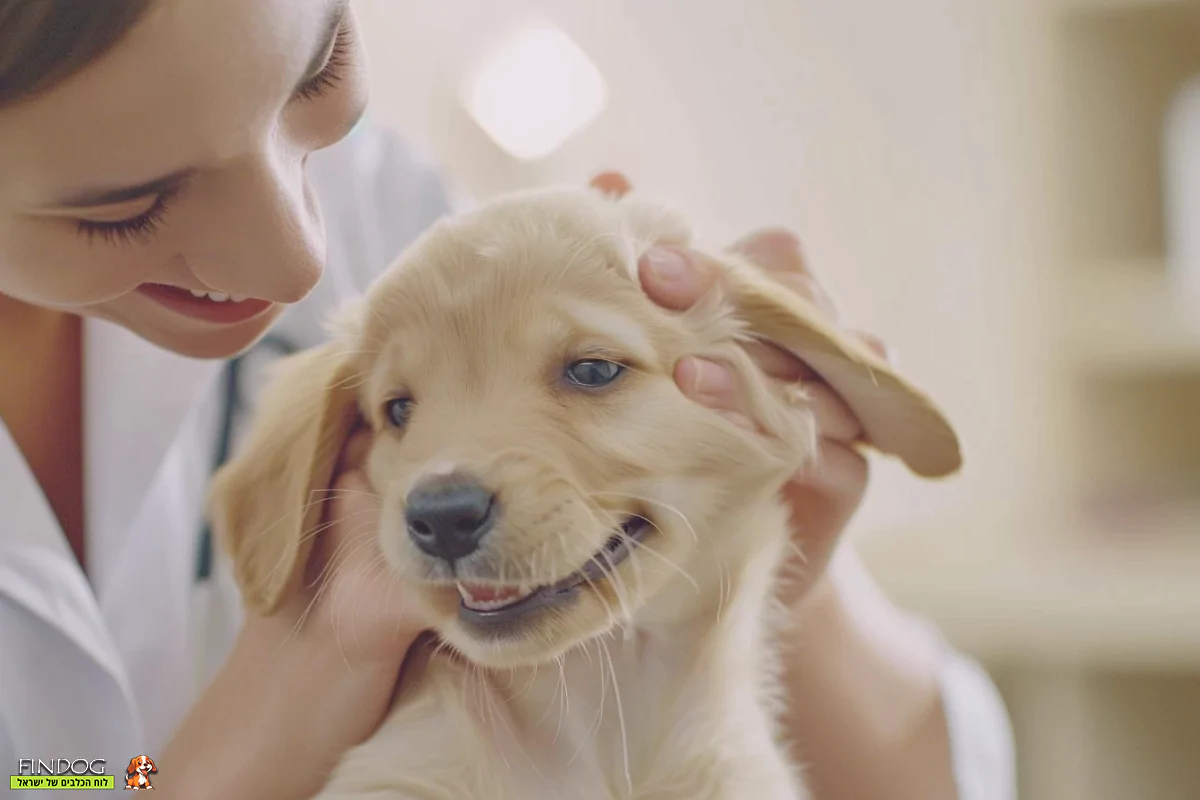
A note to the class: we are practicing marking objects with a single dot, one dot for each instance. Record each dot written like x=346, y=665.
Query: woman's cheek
x=50, y=263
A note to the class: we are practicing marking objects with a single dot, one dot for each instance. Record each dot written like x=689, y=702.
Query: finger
x=834, y=418
x=355, y=451
x=676, y=278
x=353, y=504
x=838, y=474
x=777, y=362
x=807, y=287
x=876, y=344
x=612, y=183
x=825, y=493
x=773, y=249
x=709, y=383
x=822, y=499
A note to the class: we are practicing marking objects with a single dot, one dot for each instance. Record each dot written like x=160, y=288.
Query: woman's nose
x=261, y=234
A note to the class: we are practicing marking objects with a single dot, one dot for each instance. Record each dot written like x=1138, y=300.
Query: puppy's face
x=542, y=476
x=142, y=765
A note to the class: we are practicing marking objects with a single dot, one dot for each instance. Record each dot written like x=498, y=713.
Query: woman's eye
x=398, y=410
x=592, y=373
x=334, y=70
x=135, y=230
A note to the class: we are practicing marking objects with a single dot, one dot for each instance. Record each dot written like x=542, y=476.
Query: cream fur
x=657, y=683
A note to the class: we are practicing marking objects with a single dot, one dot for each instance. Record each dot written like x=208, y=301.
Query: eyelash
x=334, y=70
x=139, y=229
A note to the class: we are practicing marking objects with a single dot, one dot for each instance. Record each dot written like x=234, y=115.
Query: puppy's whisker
x=637, y=547
x=658, y=503
x=614, y=580
x=303, y=617
x=620, y=717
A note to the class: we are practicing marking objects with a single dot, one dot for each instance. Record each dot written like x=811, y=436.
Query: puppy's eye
x=592, y=373
x=398, y=410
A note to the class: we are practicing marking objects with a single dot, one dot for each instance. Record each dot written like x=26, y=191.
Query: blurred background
x=1008, y=191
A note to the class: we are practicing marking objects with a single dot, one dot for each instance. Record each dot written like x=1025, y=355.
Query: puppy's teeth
x=197, y=294
x=218, y=297
x=237, y=298
x=464, y=594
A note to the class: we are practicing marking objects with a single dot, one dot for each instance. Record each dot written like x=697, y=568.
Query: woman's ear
x=266, y=503
x=897, y=418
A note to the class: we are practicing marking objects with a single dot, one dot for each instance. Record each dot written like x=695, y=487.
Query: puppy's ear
x=897, y=418
x=153, y=766
x=266, y=503
x=132, y=767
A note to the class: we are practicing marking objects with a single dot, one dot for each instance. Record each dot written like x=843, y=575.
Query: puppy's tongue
x=490, y=597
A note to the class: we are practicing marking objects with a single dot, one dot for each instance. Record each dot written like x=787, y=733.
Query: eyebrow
x=612, y=325
x=333, y=24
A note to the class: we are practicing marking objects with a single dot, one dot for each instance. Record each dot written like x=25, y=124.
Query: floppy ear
x=898, y=419
x=266, y=503
x=132, y=768
x=153, y=766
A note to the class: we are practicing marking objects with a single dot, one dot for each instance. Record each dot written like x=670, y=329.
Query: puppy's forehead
x=482, y=273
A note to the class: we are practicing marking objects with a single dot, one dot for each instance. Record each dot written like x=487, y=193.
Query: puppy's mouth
x=496, y=607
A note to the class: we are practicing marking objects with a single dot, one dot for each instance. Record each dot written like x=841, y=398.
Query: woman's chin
x=187, y=336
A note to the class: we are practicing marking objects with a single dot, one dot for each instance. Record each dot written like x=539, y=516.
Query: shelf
x=1125, y=320
x=1055, y=598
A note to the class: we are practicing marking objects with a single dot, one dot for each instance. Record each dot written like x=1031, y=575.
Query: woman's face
x=174, y=165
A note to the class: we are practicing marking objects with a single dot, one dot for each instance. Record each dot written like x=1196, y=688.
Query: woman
x=156, y=216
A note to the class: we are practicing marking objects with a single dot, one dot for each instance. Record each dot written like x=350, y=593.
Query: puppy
x=598, y=553
x=137, y=774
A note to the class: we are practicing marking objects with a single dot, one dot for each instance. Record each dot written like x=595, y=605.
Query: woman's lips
x=182, y=301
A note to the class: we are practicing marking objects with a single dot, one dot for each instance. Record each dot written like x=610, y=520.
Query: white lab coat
x=107, y=669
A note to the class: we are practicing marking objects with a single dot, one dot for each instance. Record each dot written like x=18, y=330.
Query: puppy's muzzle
x=448, y=515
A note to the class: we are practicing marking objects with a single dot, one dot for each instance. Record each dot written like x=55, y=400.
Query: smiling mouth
x=496, y=607
x=216, y=307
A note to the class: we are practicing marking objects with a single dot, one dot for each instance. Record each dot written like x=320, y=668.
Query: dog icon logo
x=137, y=774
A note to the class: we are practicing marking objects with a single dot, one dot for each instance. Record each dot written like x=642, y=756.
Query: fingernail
x=708, y=378
x=667, y=266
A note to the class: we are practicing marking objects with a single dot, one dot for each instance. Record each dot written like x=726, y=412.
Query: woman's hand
x=824, y=497
x=861, y=676
x=310, y=681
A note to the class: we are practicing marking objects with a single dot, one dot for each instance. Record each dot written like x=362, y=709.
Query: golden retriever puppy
x=598, y=553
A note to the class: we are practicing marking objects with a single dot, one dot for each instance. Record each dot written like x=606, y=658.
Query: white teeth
x=217, y=297
x=506, y=598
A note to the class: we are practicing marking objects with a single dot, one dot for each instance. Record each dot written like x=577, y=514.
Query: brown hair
x=44, y=42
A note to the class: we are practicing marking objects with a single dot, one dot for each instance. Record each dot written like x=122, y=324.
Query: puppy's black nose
x=449, y=515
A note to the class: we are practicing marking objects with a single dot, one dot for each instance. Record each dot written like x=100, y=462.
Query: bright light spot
x=534, y=91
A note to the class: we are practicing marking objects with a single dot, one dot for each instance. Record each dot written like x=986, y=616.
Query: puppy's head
x=141, y=764
x=541, y=474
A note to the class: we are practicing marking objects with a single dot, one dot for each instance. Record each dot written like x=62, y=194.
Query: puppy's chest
x=616, y=722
